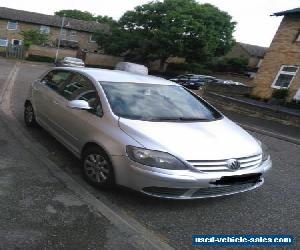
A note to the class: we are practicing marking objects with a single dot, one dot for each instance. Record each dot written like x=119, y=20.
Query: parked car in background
x=145, y=133
x=229, y=82
x=194, y=81
x=189, y=81
x=71, y=62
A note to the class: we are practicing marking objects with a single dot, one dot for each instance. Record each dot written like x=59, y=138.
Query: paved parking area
x=271, y=209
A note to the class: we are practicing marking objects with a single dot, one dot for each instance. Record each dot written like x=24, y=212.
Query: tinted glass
x=81, y=88
x=284, y=80
x=55, y=79
x=156, y=102
x=290, y=69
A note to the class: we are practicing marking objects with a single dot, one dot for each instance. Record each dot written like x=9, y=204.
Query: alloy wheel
x=96, y=168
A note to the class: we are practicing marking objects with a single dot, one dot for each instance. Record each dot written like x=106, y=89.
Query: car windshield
x=157, y=102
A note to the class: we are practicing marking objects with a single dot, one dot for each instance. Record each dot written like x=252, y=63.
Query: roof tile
x=55, y=21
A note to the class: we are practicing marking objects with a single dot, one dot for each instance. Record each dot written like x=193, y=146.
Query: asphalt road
x=271, y=209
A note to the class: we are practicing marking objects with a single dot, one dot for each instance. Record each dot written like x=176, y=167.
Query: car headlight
x=265, y=151
x=154, y=158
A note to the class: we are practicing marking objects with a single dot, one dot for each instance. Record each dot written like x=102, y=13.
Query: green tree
x=76, y=14
x=34, y=36
x=158, y=30
x=86, y=16
x=105, y=19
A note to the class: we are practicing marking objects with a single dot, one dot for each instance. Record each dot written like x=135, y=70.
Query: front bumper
x=186, y=184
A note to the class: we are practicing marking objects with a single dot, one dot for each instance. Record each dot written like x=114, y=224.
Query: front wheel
x=96, y=168
x=29, y=116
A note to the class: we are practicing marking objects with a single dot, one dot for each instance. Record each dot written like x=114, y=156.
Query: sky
x=254, y=23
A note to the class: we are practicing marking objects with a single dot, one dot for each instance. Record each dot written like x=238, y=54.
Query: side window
x=54, y=79
x=81, y=88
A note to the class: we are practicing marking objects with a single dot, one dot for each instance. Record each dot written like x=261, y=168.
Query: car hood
x=214, y=140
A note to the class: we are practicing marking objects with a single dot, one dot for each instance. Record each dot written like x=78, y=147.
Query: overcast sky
x=254, y=23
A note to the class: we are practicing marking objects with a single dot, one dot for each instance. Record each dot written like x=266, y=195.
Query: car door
x=45, y=95
x=77, y=124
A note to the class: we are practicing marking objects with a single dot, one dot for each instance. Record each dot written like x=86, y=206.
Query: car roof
x=106, y=75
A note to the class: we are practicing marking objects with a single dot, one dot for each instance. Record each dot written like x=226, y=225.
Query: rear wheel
x=29, y=116
x=97, y=168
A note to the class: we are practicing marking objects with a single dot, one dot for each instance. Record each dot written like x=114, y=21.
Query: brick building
x=76, y=34
x=252, y=53
x=280, y=67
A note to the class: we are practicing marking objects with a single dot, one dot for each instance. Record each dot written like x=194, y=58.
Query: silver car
x=145, y=133
x=71, y=62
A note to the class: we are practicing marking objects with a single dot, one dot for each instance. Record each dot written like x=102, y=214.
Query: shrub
x=37, y=58
x=33, y=36
x=181, y=68
x=236, y=65
x=280, y=93
x=254, y=97
x=293, y=104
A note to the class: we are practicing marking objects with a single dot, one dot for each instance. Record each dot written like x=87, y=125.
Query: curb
x=279, y=114
x=269, y=133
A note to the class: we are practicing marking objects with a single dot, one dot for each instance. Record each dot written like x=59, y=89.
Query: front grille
x=221, y=165
x=164, y=191
x=202, y=192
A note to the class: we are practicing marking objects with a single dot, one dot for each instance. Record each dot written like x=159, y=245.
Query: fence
x=15, y=51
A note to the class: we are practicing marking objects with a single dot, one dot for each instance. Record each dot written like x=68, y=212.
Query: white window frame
x=281, y=71
x=44, y=29
x=20, y=41
x=6, y=42
x=73, y=37
x=92, y=41
x=8, y=22
x=298, y=37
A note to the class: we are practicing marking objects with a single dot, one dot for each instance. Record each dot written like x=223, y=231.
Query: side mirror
x=79, y=104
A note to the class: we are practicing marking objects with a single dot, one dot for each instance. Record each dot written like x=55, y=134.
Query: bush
x=254, y=97
x=236, y=65
x=280, y=93
x=37, y=58
x=257, y=98
x=182, y=68
x=34, y=36
x=293, y=104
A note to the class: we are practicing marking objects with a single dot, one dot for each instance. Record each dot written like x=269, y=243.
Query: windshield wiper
x=177, y=119
x=193, y=119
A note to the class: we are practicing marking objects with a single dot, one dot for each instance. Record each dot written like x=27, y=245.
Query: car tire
x=29, y=115
x=97, y=168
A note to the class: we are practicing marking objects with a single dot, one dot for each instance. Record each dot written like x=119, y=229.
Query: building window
x=285, y=76
x=44, y=29
x=92, y=38
x=16, y=42
x=63, y=34
x=73, y=35
x=12, y=25
x=3, y=42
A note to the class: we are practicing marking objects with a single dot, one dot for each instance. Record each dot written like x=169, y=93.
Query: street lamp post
x=59, y=38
